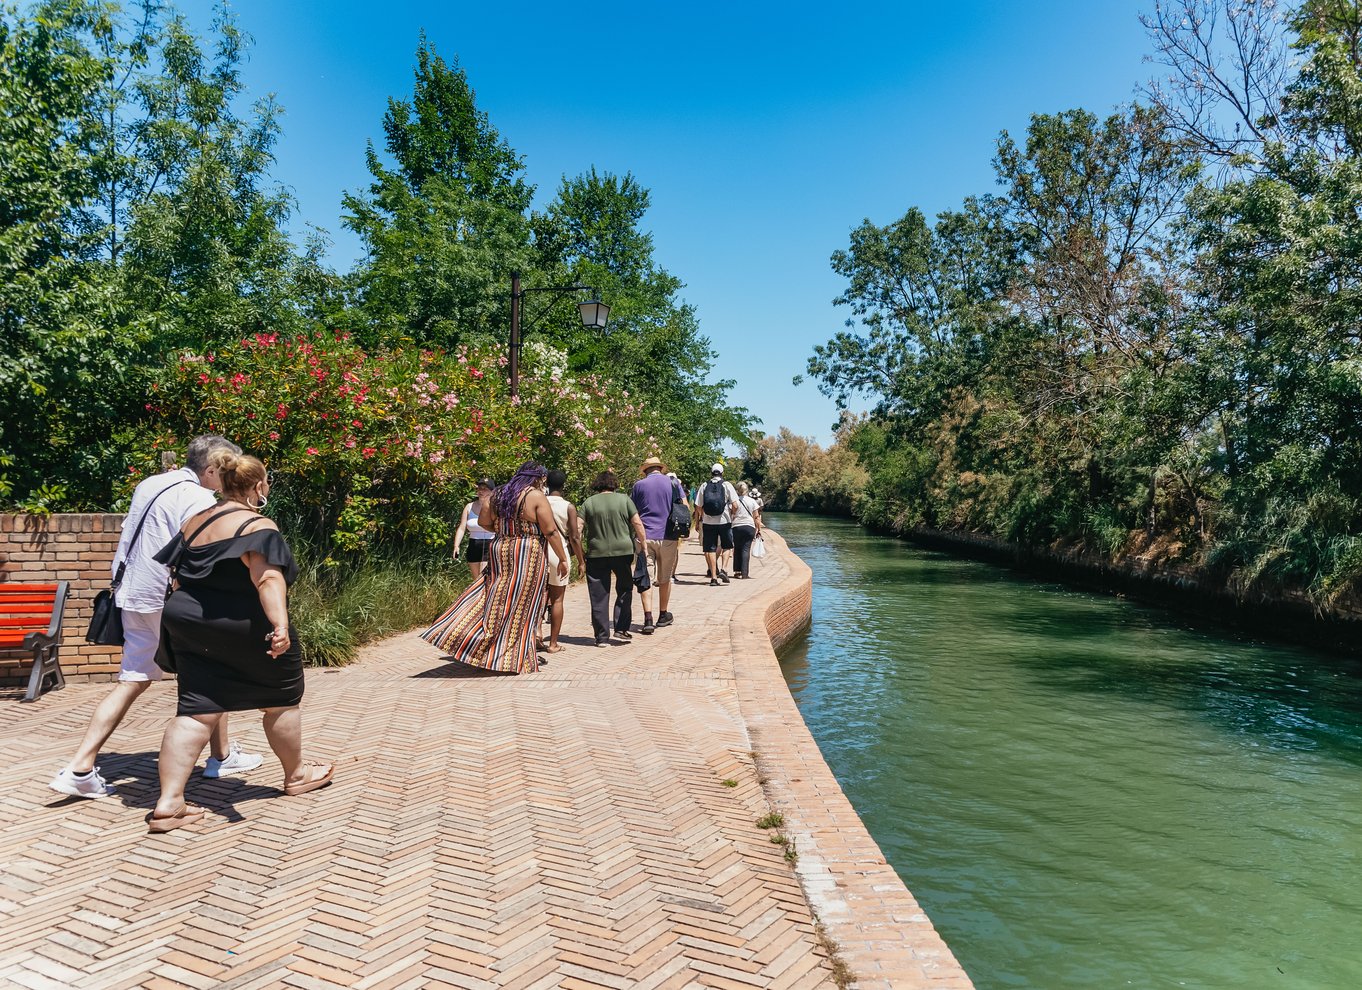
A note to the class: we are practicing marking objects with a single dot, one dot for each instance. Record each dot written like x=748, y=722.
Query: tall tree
x=444, y=221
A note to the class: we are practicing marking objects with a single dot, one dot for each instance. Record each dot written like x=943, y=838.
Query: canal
x=1081, y=791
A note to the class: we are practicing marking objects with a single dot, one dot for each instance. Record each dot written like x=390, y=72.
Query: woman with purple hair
x=494, y=622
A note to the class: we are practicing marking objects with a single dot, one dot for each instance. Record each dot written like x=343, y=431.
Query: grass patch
x=774, y=820
x=338, y=609
x=730, y=782
x=841, y=972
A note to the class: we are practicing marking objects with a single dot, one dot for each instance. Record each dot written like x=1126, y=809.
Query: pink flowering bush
x=585, y=425
x=383, y=450
x=365, y=449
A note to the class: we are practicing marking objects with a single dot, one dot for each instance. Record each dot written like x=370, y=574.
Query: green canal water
x=1082, y=791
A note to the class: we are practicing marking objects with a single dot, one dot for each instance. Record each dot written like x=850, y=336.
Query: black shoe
x=665, y=619
x=723, y=577
x=713, y=582
x=623, y=634
x=647, y=629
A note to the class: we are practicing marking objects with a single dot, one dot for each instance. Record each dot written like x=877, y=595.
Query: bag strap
x=137, y=533
x=215, y=516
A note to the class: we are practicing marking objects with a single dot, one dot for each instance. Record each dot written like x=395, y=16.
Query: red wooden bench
x=30, y=619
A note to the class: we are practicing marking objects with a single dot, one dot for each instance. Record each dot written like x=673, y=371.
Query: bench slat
x=26, y=621
x=51, y=589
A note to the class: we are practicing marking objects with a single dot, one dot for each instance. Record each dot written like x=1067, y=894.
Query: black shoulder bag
x=106, y=622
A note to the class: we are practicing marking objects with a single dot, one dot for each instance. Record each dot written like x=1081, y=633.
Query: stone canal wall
x=882, y=934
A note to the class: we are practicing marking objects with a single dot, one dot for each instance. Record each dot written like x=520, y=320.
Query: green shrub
x=337, y=610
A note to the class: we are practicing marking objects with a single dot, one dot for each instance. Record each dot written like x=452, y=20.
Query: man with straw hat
x=654, y=494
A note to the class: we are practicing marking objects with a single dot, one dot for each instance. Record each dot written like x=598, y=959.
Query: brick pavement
x=570, y=828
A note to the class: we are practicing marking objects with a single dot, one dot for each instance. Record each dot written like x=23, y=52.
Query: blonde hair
x=240, y=473
x=742, y=488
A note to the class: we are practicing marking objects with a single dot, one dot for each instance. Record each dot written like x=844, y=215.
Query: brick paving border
x=589, y=826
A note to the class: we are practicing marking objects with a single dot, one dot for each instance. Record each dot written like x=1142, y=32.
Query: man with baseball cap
x=715, y=504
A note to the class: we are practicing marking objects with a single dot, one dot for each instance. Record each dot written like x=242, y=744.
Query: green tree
x=444, y=221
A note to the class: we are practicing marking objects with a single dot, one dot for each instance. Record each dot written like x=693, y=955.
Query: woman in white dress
x=479, y=539
x=565, y=515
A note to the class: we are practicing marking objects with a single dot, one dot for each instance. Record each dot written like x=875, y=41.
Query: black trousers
x=742, y=545
x=598, y=573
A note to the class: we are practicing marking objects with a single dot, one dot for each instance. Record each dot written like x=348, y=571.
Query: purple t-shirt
x=654, y=494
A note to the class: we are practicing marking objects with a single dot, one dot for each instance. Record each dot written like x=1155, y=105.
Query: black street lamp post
x=593, y=312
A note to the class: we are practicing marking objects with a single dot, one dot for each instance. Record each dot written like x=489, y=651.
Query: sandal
x=555, y=649
x=310, y=782
x=187, y=815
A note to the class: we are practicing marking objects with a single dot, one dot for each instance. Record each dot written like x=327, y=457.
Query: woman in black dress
x=225, y=632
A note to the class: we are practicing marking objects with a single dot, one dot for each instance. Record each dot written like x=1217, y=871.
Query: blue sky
x=765, y=132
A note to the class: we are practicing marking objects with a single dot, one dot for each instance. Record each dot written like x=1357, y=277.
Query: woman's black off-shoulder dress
x=214, y=629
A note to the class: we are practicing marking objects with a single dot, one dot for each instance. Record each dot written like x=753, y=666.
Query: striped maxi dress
x=493, y=623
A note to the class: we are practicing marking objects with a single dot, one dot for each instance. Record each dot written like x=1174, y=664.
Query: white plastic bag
x=758, y=548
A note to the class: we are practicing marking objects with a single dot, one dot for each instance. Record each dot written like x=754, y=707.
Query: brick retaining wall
x=881, y=932
x=74, y=548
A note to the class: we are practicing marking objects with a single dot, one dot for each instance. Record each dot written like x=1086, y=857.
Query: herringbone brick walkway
x=570, y=828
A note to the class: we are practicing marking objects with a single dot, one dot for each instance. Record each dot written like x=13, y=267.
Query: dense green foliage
x=1148, y=340
x=140, y=229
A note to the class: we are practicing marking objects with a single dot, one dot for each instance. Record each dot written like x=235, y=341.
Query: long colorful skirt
x=494, y=622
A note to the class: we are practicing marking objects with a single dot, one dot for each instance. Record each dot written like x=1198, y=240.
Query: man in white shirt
x=165, y=501
x=716, y=528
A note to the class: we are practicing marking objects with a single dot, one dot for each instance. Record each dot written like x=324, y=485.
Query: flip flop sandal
x=188, y=815
x=556, y=649
x=311, y=783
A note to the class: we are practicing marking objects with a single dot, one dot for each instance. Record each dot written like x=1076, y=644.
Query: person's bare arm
x=458, y=534
x=640, y=535
x=273, y=591
x=574, y=534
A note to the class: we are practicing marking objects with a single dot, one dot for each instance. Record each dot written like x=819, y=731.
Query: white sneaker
x=85, y=785
x=236, y=762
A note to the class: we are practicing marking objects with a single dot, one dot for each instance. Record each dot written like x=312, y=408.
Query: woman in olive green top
x=614, y=533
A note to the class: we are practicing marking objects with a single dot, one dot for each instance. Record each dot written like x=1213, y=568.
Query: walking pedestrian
x=746, y=528
x=653, y=495
x=614, y=534
x=493, y=626
x=160, y=504
x=565, y=516
x=226, y=634
x=715, y=503
x=479, y=537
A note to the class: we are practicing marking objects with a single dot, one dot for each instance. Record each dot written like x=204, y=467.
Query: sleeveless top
x=516, y=526
x=475, y=531
x=560, y=507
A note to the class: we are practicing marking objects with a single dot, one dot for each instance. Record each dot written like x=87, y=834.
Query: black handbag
x=106, y=621
x=678, y=520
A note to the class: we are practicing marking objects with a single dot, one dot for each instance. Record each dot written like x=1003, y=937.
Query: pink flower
x=273, y=435
x=312, y=451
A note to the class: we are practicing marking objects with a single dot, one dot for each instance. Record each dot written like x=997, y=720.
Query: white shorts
x=141, y=636
x=554, y=580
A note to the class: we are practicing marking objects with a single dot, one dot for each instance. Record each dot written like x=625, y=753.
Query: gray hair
x=196, y=458
x=742, y=488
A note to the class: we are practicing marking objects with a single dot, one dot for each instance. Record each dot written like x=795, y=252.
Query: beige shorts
x=554, y=580
x=662, y=555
